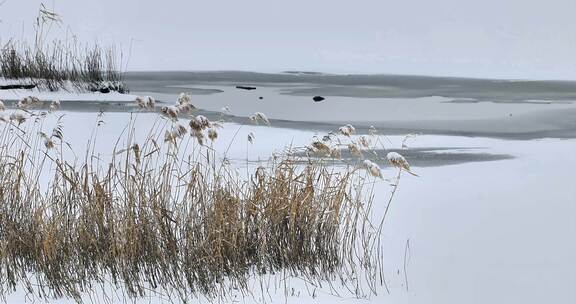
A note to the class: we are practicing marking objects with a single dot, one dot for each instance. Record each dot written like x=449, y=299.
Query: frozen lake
x=492, y=217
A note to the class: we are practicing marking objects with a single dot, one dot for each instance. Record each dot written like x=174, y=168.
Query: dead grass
x=171, y=218
x=62, y=66
x=55, y=64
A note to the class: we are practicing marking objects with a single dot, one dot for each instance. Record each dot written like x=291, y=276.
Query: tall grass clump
x=61, y=64
x=167, y=216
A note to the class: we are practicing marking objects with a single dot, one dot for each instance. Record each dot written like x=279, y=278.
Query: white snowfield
x=67, y=94
x=479, y=232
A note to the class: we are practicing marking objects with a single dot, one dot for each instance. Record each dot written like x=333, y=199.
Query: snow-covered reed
x=259, y=117
x=170, y=217
x=398, y=161
x=61, y=65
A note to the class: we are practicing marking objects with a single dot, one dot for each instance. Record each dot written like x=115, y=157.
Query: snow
x=68, y=94
x=479, y=232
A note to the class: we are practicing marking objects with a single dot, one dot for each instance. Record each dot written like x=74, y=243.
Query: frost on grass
x=373, y=168
x=398, y=161
x=259, y=117
x=171, y=218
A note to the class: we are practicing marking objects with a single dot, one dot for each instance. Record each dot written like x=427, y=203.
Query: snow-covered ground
x=496, y=226
x=67, y=94
x=479, y=232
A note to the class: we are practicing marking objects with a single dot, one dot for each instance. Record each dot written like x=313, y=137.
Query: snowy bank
x=69, y=93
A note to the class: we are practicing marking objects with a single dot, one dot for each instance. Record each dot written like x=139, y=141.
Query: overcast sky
x=534, y=39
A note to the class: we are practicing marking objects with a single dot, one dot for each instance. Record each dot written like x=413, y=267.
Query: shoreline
x=288, y=104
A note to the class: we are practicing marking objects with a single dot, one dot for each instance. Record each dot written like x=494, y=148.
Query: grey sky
x=489, y=38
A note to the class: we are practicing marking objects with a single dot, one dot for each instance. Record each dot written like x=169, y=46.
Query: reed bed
x=167, y=216
x=57, y=64
x=62, y=65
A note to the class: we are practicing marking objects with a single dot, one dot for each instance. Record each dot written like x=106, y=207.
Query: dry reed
x=167, y=218
x=61, y=64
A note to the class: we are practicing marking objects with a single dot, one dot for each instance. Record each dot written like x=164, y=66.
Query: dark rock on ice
x=245, y=88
